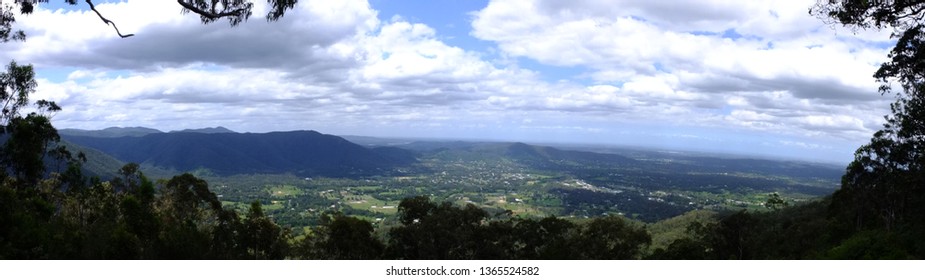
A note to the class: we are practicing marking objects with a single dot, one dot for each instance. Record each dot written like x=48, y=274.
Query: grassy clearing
x=278, y=191
x=367, y=188
x=367, y=202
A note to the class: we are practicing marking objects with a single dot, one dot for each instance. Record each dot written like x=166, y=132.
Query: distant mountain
x=217, y=129
x=526, y=152
x=304, y=153
x=539, y=157
x=375, y=141
x=429, y=146
x=135, y=131
x=110, y=132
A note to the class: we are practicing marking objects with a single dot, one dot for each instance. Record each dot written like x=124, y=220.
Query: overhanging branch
x=212, y=14
x=107, y=21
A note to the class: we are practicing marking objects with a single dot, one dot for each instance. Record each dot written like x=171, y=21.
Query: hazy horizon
x=581, y=145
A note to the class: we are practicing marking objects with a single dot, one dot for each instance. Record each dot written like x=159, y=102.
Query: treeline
x=430, y=230
x=817, y=230
x=131, y=218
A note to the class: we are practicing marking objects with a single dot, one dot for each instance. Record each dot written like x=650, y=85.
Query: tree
x=775, y=202
x=901, y=15
x=550, y=238
x=235, y=11
x=341, y=237
x=436, y=231
x=610, y=238
x=27, y=137
x=16, y=83
x=884, y=187
x=263, y=239
x=7, y=18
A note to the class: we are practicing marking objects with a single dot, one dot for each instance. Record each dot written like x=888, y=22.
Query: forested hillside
x=304, y=153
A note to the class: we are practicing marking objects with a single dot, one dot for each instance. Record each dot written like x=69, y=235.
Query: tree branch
x=915, y=12
x=207, y=14
x=107, y=21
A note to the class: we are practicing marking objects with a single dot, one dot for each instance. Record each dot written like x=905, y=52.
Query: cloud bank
x=732, y=73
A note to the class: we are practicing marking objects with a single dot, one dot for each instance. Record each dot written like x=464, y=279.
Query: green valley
x=536, y=181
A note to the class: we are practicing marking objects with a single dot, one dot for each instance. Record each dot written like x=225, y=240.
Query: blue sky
x=746, y=77
x=452, y=22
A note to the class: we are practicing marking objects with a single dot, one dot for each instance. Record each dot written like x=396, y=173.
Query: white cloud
x=754, y=66
x=769, y=58
x=167, y=38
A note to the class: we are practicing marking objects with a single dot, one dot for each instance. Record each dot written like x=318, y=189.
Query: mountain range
x=309, y=153
x=224, y=152
x=133, y=131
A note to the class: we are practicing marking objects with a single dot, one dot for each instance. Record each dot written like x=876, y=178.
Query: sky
x=741, y=77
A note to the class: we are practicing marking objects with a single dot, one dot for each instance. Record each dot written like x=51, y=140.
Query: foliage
x=868, y=14
x=666, y=232
x=263, y=239
x=796, y=232
x=27, y=138
x=7, y=18
x=775, y=202
x=442, y=231
x=884, y=187
x=435, y=231
x=132, y=218
x=235, y=11
x=341, y=237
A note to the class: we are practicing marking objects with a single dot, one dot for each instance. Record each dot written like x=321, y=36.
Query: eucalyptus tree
x=884, y=187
